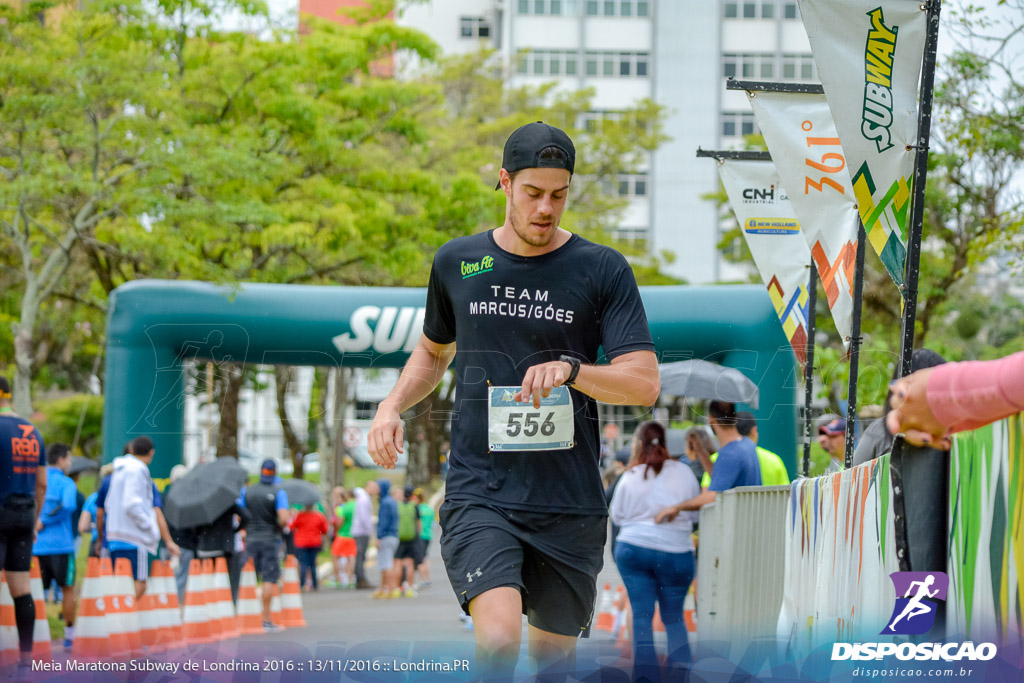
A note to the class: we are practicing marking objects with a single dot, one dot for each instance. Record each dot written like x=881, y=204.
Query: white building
x=676, y=52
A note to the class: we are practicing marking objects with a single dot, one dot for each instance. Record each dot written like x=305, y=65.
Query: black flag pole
x=812, y=302
x=924, y=124
x=855, y=339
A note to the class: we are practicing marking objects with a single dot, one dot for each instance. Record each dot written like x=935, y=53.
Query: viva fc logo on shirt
x=484, y=265
x=917, y=596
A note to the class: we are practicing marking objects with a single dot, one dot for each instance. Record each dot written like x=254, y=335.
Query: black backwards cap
x=523, y=148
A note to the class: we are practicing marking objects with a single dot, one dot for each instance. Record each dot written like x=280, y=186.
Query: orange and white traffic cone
x=127, y=621
x=250, y=611
x=605, y=605
x=291, y=598
x=165, y=603
x=690, y=612
x=8, y=626
x=42, y=649
x=656, y=624
x=225, y=607
x=276, y=615
x=91, y=621
x=195, y=624
x=213, y=618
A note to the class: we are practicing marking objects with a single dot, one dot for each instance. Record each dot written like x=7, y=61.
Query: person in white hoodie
x=131, y=525
x=655, y=560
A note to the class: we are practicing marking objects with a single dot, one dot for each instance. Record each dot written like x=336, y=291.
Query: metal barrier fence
x=740, y=565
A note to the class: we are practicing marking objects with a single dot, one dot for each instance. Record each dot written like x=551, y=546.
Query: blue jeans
x=652, y=575
x=307, y=560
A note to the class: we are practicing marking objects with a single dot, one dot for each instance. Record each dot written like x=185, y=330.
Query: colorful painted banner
x=775, y=240
x=802, y=139
x=869, y=54
x=839, y=550
x=986, y=534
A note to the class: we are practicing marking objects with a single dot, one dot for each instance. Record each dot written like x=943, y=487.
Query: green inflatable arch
x=154, y=326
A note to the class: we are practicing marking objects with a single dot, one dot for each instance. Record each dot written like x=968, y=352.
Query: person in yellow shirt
x=773, y=470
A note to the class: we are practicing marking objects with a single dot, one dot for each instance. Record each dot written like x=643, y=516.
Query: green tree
x=79, y=127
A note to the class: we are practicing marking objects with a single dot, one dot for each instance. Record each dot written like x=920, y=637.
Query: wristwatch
x=575, y=369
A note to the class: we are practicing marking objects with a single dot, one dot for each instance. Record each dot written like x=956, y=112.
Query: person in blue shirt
x=54, y=547
x=737, y=463
x=22, y=492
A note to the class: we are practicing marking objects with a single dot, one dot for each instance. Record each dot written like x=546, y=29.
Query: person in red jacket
x=308, y=529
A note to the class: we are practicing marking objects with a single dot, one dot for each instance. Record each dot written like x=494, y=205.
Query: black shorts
x=420, y=551
x=406, y=550
x=17, y=533
x=266, y=559
x=553, y=559
x=59, y=568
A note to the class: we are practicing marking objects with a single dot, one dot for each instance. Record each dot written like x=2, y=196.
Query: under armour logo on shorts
x=470, y=575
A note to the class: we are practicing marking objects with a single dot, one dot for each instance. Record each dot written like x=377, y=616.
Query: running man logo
x=917, y=594
x=878, y=59
x=484, y=265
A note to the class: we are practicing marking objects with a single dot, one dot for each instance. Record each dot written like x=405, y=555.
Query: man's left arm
x=630, y=379
x=668, y=514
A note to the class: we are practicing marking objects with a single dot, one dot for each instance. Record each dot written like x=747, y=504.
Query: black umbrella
x=300, y=492
x=701, y=379
x=205, y=493
x=82, y=464
x=675, y=442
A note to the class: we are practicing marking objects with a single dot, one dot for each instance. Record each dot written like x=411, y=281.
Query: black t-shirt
x=22, y=453
x=506, y=313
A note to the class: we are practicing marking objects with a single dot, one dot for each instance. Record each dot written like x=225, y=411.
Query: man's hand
x=541, y=379
x=386, y=438
x=666, y=515
x=912, y=416
x=39, y=525
x=173, y=548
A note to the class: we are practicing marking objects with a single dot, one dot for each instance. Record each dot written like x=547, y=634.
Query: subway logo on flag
x=878, y=59
x=771, y=226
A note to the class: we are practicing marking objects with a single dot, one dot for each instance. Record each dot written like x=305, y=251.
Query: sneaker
x=68, y=644
x=379, y=593
x=395, y=593
x=271, y=627
x=410, y=593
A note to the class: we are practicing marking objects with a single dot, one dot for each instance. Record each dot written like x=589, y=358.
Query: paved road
x=351, y=628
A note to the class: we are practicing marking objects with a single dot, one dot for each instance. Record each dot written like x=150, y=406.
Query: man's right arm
x=422, y=372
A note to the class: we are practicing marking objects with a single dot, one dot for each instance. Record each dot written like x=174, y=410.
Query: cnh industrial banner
x=869, y=54
x=802, y=139
x=773, y=236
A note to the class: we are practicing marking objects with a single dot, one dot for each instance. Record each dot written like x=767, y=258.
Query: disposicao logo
x=484, y=265
x=917, y=596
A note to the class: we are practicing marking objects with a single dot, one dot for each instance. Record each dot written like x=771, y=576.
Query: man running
x=527, y=305
x=22, y=492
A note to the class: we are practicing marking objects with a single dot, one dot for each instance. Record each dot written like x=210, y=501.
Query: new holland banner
x=773, y=235
x=869, y=54
x=802, y=139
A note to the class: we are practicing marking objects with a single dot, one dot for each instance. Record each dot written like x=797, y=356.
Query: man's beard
x=541, y=240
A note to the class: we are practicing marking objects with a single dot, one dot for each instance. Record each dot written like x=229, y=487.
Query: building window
x=636, y=237
x=750, y=9
x=592, y=8
x=616, y=64
x=789, y=11
x=474, y=27
x=798, y=68
x=524, y=6
x=748, y=66
x=609, y=8
x=738, y=124
x=633, y=185
x=549, y=63
x=643, y=8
